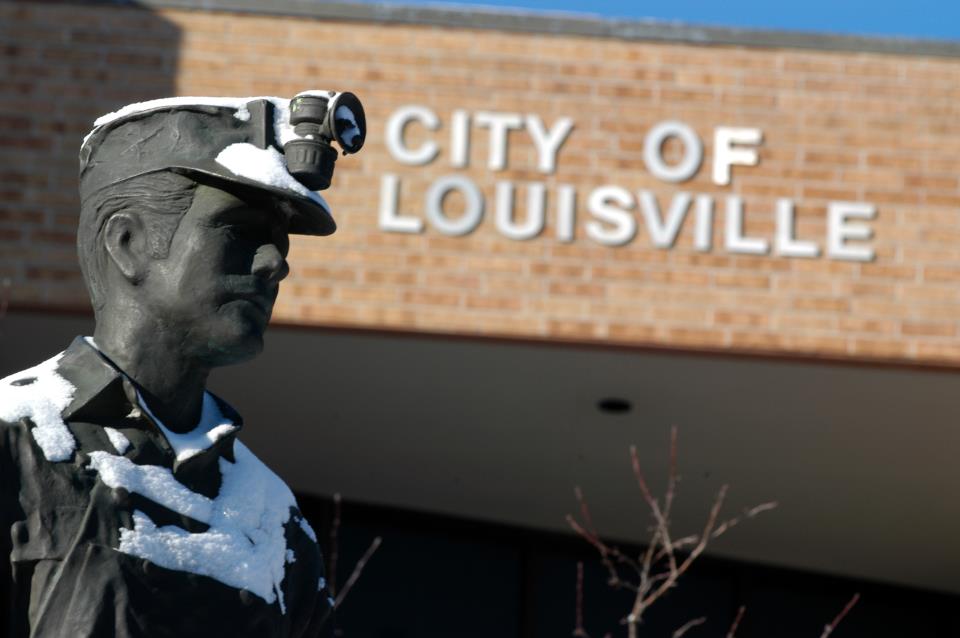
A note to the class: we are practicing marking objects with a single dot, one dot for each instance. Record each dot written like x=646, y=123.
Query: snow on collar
x=212, y=427
x=41, y=395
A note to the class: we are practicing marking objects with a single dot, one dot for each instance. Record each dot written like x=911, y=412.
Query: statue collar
x=104, y=395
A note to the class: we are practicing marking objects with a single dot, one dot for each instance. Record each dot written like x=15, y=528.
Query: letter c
x=396, y=126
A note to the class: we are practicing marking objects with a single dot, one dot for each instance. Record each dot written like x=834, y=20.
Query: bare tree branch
x=747, y=513
x=334, y=546
x=335, y=554
x=610, y=556
x=357, y=570
x=736, y=622
x=578, y=630
x=658, y=567
x=696, y=622
x=828, y=629
x=663, y=525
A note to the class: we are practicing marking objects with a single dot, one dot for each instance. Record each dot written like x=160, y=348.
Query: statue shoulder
x=255, y=471
x=39, y=394
x=35, y=389
x=261, y=486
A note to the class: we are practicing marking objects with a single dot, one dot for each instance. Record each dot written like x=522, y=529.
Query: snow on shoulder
x=41, y=395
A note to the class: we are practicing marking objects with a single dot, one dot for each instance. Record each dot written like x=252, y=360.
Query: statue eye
x=241, y=231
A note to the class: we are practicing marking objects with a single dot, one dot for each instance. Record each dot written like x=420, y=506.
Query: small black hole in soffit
x=614, y=405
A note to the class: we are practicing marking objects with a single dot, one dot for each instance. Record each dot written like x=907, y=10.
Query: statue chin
x=238, y=348
x=232, y=335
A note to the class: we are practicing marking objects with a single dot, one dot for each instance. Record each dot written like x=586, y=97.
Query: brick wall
x=866, y=127
x=62, y=66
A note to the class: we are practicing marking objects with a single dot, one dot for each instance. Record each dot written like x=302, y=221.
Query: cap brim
x=307, y=216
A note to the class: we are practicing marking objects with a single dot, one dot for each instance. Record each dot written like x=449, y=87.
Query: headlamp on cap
x=319, y=119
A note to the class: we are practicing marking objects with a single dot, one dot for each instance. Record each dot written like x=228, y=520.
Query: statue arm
x=8, y=505
x=14, y=595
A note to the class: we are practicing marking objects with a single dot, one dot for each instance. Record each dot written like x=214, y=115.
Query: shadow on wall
x=64, y=65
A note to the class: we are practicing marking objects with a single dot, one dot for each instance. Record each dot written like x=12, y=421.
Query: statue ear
x=125, y=239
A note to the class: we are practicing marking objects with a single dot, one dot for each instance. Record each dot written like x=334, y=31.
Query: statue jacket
x=111, y=525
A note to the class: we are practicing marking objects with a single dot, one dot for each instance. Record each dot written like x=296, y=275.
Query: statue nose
x=269, y=263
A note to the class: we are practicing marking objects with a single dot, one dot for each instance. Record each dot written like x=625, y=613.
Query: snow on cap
x=231, y=141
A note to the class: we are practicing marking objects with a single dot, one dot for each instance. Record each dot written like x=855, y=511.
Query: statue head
x=186, y=208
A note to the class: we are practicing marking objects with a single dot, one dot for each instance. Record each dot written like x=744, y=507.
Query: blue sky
x=939, y=19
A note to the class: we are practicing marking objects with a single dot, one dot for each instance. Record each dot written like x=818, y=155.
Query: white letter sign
x=653, y=152
x=474, y=208
x=394, y=134
x=390, y=220
x=548, y=144
x=786, y=245
x=726, y=155
x=613, y=213
x=500, y=125
x=839, y=230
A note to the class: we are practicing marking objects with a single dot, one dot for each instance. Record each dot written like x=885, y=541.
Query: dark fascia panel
x=565, y=24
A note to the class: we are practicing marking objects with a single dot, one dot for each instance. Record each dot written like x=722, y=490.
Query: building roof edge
x=513, y=20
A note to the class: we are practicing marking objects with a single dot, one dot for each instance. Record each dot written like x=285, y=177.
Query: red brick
x=836, y=126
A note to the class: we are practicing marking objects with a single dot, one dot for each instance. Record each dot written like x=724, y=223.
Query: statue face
x=217, y=286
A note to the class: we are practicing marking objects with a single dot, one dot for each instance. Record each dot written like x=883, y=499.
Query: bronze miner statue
x=128, y=507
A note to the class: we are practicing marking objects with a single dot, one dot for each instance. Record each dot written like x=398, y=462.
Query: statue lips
x=261, y=300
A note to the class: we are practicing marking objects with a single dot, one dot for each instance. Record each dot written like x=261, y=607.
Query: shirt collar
x=104, y=393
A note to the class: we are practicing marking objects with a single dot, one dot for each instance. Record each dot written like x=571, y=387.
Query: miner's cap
x=224, y=140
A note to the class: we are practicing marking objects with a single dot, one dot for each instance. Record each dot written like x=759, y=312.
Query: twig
x=696, y=622
x=663, y=525
x=828, y=629
x=641, y=603
x=578, y=630
x=609, y=556
x=334, y=545
x=584, y=510
x=747, y=513
x=590, y=533
x=357, y=570
x=736, y=622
